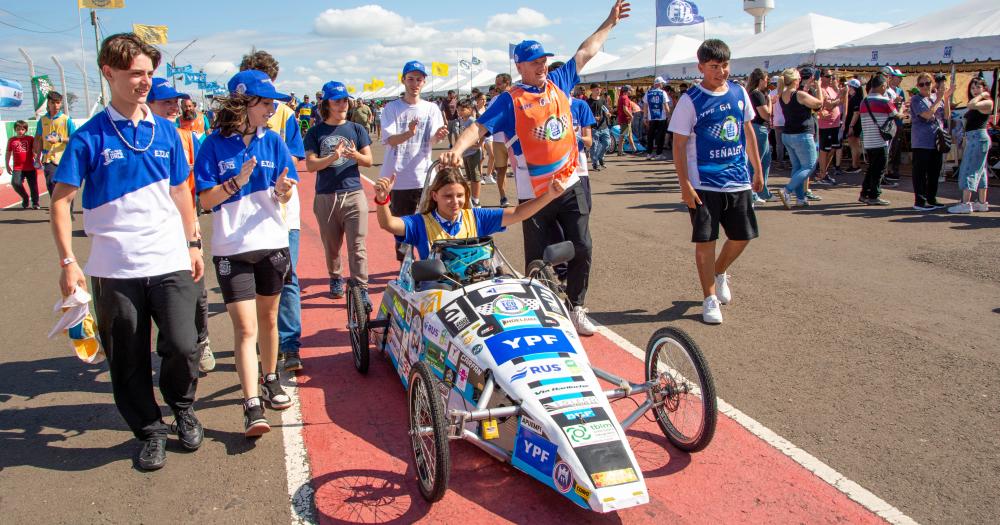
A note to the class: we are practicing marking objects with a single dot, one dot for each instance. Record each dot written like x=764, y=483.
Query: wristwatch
x=195, y=244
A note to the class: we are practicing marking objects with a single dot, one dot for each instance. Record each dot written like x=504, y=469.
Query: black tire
x=428, y=433
x=544, y=274
x=685, y=389
x=357, y=325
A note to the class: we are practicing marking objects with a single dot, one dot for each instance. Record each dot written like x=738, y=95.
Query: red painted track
x=355, y=431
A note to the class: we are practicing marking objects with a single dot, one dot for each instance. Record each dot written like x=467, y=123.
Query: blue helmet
x=467, y=259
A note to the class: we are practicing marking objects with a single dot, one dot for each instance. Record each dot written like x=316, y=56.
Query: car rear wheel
x=685, y=405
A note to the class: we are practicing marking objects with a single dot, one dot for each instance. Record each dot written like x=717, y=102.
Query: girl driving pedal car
x=448, y=213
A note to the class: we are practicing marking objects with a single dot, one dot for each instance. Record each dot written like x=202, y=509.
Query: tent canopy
x=676, y=48
x=967, y=33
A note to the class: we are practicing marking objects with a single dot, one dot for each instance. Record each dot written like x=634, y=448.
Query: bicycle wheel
x=544, y=274
x=357, y=325
x=428, y=433
x=684, y=395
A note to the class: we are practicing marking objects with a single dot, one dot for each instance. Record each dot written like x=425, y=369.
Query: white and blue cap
x=162, y=90
x=255, y=84
x=659, y=80
x=529, y=50
x=414, y=65
x=334, y=90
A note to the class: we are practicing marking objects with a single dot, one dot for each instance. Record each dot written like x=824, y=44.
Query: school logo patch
x=224, y=267
x=111, y=155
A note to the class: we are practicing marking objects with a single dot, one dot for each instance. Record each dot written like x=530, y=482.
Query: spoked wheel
x=684, y=395
x=544, y=274
x=357, y=325
x=428, y=433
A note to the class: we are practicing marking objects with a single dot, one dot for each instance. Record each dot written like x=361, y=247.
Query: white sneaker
x=488, y=180
x=786, y=198
x=980, y=206
x=650, y=156
x=662, y=157
x=581, y=322
x=206, y=363
x=722, y=290
x=962, y=207
x=710, y=311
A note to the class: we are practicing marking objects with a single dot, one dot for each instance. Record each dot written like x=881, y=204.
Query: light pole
x=173, y=61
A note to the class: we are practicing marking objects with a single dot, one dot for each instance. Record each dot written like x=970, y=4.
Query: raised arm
x=589, y=48
x=386, y=220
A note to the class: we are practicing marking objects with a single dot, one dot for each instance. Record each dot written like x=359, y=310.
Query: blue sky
x=354, y=41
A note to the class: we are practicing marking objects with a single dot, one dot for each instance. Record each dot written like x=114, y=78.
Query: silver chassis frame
x=459, y=418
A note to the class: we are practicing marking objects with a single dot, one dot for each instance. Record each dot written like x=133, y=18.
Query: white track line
x=300, y=489
x=837, y=480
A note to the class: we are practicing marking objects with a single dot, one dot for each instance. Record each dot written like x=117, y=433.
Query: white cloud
x=523, y=18
x=217, y=67
x=367, y=21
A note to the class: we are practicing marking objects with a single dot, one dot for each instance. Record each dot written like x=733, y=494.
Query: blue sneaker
x=336, y=287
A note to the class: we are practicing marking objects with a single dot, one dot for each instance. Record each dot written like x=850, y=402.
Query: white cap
x=854, y=83
x=659, y=80
x=774, y=79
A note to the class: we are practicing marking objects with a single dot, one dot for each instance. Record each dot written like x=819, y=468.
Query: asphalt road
x=866, y=336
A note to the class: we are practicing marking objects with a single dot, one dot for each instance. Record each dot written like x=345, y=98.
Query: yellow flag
x=100, y=4
x=377, y=84
x=400, y=78
x=151, y=34
x=367, y=87
x=350, y=89
x=439, y=69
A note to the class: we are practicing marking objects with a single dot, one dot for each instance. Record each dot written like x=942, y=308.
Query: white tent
x=965, y=33
x=790, y=45
x=676, y=48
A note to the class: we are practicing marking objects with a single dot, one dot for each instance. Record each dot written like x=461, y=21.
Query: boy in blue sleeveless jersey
x=145, y=254
x=713, y=138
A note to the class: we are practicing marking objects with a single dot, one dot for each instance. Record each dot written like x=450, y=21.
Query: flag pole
x=656, y=43
x=97, y=45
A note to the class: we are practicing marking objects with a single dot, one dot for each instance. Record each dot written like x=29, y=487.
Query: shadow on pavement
x=678, y=311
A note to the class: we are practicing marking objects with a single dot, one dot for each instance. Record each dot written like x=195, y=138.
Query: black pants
x=871, y=186
x=404, y=202
x=18, y=178
x=926, y=170
x=49, y=169
x=201, y=312
x=125, y=311
x=570, y=214
x=895, y=150
x=656, y=134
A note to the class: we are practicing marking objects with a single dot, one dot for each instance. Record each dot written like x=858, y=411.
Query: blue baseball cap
x=334, y=90
x=256, y=84
x=414, y=65
x=529, y=50
x=162, y=90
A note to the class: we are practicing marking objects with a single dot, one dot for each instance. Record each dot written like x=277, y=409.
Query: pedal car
x=491, y=357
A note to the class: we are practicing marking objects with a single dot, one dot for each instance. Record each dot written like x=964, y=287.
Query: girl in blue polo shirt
x=449, y=214
x=243, y=173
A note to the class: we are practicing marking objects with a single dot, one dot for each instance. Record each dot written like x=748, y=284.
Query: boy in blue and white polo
x=713, y=138
x=145, y=255
x=245, y=173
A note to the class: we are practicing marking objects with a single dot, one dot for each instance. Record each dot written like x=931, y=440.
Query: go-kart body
x=516, y=381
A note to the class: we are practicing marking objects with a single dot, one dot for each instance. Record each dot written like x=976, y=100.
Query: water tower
x=759, y=10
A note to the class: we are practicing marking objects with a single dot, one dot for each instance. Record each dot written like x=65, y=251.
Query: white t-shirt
x=410, y=160
x=683, y=121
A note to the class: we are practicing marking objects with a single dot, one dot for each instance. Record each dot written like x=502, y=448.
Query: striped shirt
x=882, y=109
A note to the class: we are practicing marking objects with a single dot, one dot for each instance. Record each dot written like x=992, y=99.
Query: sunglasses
x=923, y=84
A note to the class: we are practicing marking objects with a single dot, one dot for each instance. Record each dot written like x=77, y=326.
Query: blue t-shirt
x=251, y=219
x=128, y=213
x=921, y=130
x=583, y=117
x=343, y=175
x=656, y=104
x=488, y=222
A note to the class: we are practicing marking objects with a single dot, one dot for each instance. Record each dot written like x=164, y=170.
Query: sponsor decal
x=586, y=413
x=432, y=330
x=520, y=374
x=553, y=389
x=507, y=304
x=449, y=377
x=532, y=425
x=535, y=451
x=539, y=357
x=570, y=402
x=444, y=392
x=591, y=433
x=457, y=315
x=548, y=300
x=525, y=342
x=416, y=338
x=430, y=302
x=453, y=353
x=614, y=477
x=562, y=477
x=571, y=366
x=499, y=289
x=476, y=349
x=468, y=339
x=471, y=365
x=551, y=368
x=463, y=378
x=581, y=491
x=521, y=321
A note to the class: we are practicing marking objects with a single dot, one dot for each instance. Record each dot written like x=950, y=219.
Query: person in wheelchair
x=447, y=214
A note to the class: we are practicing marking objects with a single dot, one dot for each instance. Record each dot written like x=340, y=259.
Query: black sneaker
x=34, y=206
x=504, y=202
x=273, y=394
x=188, y=428
x=851, y=171
x=153, y=454
x=254, y=421
x=292, y=361
x=24, y=205
x=336, y=287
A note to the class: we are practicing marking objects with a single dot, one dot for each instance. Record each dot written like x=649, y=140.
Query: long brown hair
x=231, y=114
x=445, y=177
x=758, y=74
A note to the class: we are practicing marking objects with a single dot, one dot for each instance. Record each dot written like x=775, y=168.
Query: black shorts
x=244, y=276
x=829, y=139
x=731, y=209
x=404, y=202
